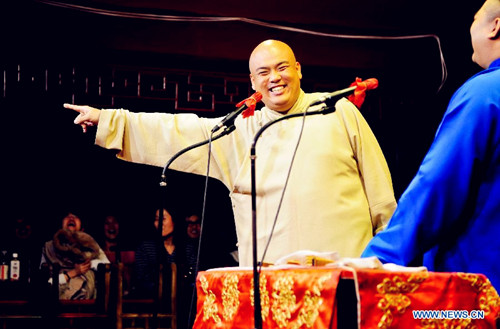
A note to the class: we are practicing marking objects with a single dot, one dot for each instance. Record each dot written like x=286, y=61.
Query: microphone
x=248, y=103
x=362, y=86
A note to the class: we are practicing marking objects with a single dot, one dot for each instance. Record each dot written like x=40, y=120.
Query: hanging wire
x=175, y=18
x=284, y=189
x=205, y=193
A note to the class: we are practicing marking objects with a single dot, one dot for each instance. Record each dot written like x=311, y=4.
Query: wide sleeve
x=154, y=138
x=372, y=165
x=441, y=195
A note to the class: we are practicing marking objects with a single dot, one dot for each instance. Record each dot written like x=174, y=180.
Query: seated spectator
x=155, y=250
x=117, y=250
x=111, y=233
x=23, y=239
x=188, y=268
x=77, y=255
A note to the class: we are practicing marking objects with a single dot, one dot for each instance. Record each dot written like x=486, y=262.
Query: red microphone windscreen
x=250, y=102
x=257, y=96
x=358, y=97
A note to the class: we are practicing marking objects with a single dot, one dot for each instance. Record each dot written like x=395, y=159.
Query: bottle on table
x=15, y=267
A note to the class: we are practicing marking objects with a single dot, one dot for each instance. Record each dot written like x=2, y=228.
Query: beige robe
x=339, y=192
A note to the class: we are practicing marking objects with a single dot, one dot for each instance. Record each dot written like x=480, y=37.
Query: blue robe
x=448, y=219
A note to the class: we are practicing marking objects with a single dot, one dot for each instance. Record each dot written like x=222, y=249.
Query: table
x=330, y=297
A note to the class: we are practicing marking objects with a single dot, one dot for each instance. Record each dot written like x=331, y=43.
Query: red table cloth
x=305, y=297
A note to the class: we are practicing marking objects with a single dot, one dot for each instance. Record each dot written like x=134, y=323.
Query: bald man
x=339, y=192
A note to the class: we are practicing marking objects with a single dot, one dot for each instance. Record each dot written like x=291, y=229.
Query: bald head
x=485, y=33
x=492, y=8
x=276, y=74
x=269, y=47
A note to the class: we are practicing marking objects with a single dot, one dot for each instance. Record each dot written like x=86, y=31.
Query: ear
x=495, y=31
x=252, y=81
x=299, y=69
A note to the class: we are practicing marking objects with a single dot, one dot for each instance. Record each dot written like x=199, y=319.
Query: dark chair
x=160, y=312
x=23, y=304
x=18, y=313
x=87, y=313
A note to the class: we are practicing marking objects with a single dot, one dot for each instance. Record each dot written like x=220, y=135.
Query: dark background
x=75, y=51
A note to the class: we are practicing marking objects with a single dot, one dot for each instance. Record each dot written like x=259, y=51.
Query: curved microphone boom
x=248, y=103
x=228, y=122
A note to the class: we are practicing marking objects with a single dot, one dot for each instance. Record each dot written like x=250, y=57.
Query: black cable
x=257, y=266
x=201, y=230
x=324, y=110
x=284, y=188
x=163, y=183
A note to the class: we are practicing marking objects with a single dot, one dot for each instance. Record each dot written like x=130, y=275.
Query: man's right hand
x=88, y=116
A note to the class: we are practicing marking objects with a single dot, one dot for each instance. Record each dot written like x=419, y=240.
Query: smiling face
x=193, y=226
x=276, y=74
x=111, y=228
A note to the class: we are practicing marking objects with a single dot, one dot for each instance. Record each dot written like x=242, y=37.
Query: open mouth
x=277, y=89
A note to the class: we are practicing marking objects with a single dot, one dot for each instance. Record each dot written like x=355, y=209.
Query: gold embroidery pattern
x=447, y=324
x=264, y=296
x=210, y=308
x=283, y=301
x=488, y=300
x=312, y=301
x=230, y=296
x=394, y=298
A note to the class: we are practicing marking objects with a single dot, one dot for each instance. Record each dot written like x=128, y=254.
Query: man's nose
x=275, y=76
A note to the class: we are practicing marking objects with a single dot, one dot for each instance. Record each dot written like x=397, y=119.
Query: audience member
x=76, y=255
x=448, y=217
x=190, y=260
x=111, y=233
x=340, y=177
x=20, y=239
x=26, y=243
x=158, y=248
x=193, y=227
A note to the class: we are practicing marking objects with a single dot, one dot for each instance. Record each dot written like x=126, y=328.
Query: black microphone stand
x=225, y=132
x=163, y=184
x=328, y=107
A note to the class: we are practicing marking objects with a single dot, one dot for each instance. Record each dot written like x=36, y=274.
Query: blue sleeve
x=439, y=195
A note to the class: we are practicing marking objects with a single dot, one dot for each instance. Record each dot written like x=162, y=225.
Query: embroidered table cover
x=305, y=297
